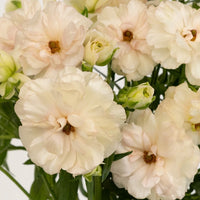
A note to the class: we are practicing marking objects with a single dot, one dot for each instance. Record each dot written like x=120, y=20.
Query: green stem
x=15, y=181
x=82, y=188
x=97, y=187
x=6, y=137
x=12, y=147
x=155, y=75
x=111, y=77
x=119, y=79
x=109, y=82
x=94, y=188
x=48, y=185
x=100, y=72
x=127, y=83
x=90, y=187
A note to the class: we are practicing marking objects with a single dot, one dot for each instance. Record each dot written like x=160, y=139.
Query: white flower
x=175, y=37
x=12, y=21
x=163, y=161
x=98, y=48
x=26, y=11
x=70, y=122
x=129, y=30
x=52, y=38
x=7, y=34
x=182, y=105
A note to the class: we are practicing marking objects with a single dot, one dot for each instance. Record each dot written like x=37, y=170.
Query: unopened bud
x=12, y=5
x=10, y=78
x=138, y=97
x=96, y=172
x=98, y=48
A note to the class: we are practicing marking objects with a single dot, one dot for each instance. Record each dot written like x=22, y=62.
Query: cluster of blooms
x=69, y=117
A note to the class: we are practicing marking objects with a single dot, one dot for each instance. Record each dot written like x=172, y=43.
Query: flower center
x=127, y=36
x=190, y=35
x=196, y=127
x=149, y=157
x=54, y=46
x=68, y=128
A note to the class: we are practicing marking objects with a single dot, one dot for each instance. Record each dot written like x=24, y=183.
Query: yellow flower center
x=127, y=36
x=149, y=157
x=54, y=46
x=196, y=127
x=190, y=35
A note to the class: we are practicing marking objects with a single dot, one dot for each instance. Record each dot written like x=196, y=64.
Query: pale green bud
x=138, y=97
x=7, y=66
x=96, y=172
x=12, y=5
x=10, y=78
x=90, y=5
x=98, y=48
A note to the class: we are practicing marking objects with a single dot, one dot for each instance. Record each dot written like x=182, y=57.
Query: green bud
x=138, y=97
x=86, y=67
x=7, y=66
x=12, y=5
x=10, y=78
x=96, y=172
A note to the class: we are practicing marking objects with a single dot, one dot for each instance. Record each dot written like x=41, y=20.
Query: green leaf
x=4, y=145
x=121, y=155
x=17, y=4
x=85, y=12
x=106, y=167
x=28, y=162
x=9, y=122
x=86, y=67
x=66, y=187
x=39, y=190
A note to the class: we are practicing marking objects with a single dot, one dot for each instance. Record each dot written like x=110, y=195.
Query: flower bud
x=80, y=5
x=138, y=97
x=7, y=66
x=98, y=48
x=12, y=5
x=10, y=78
x=96, y=172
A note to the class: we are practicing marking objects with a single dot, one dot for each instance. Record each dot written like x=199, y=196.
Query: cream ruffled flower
x=175, y=37
x=129, y=30
x=70, y=122
x=163, y=161
x=12, y=21
x=52, y=38
x=182, y=105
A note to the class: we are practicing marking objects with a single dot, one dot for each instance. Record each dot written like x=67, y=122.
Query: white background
x=23, y=173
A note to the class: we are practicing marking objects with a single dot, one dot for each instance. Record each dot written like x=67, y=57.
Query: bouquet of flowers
x=103, y=95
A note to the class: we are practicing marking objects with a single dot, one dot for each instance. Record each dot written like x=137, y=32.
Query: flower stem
x=81, y=188
x=111, y=77
x=89, y=186
x=94, y=189
x=97, y=187
x=6, y=137
x=48, y=186
x=15, y=181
